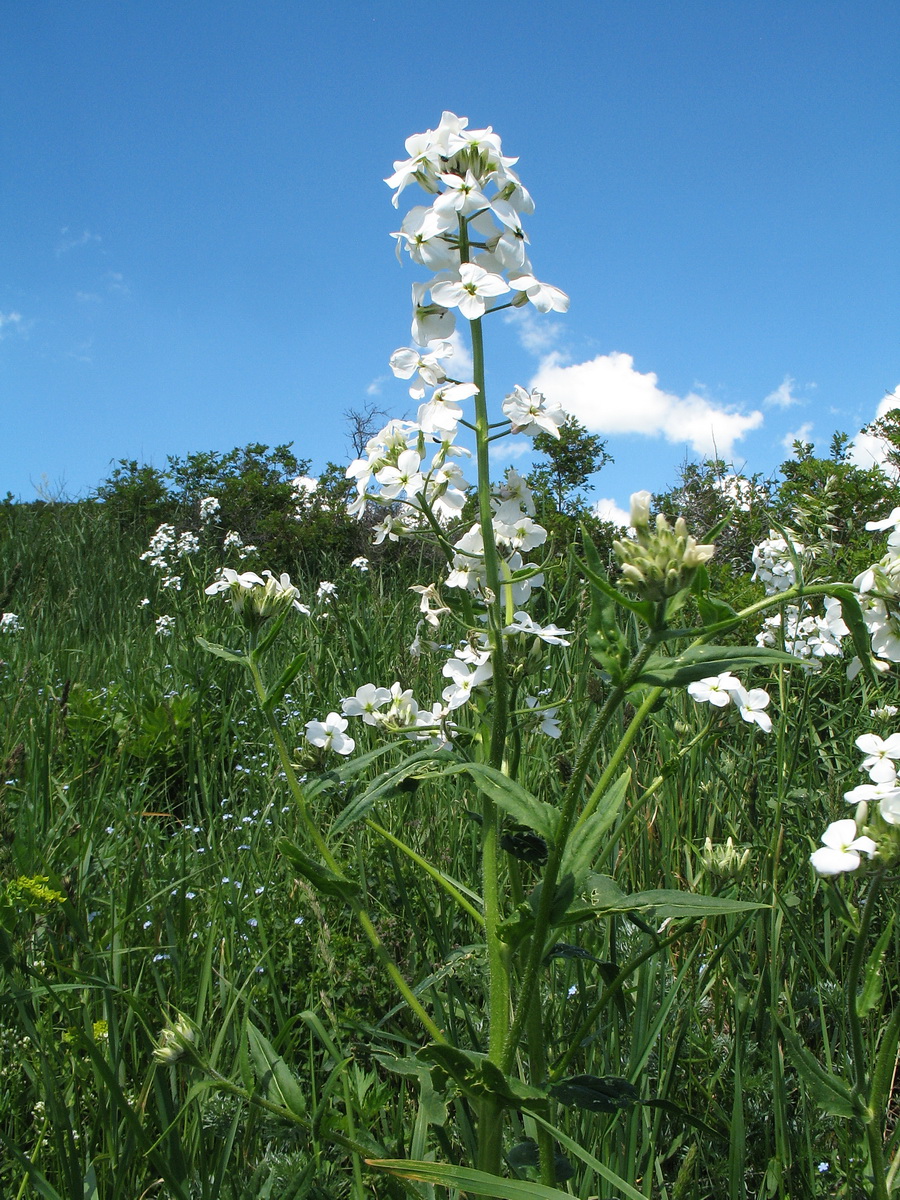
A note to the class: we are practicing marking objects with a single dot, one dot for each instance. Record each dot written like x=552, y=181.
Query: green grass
x=139, y=779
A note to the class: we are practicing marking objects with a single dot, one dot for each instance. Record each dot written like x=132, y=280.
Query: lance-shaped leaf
x=701, y=662
x=472, y=1182
x=584, y=845
x=596, y=1094
x=855, y=622
x=222, y=651
x=322, y=878
x=607, y=897
x=275, y=693
x=272, y=1074
x=478, y=1077
x=831, y=1094
x=511, y=797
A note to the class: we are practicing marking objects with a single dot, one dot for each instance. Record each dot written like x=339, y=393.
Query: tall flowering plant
x=649, y=632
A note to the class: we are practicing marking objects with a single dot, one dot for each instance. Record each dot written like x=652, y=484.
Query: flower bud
x=175, y=1040
x=640, y=509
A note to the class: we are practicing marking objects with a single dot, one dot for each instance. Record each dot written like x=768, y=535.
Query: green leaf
x=322, y=878
x=431, y=1103
x=275, y=693
x=273, y=1075
x=870, y=993
x=474, y=1182
x=476, y=1076
x=524, y=845
x=222, y=652
x=699, y=662
x=511, y=797
x=584, y=845
x=853, y=618
x=607, y=1094
x=831, y=1094
x=562, y=899
x=607, y=897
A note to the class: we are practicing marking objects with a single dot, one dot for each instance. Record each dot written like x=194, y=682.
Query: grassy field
x=141, y=806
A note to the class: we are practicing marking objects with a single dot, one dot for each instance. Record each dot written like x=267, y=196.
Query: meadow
x=322, y=878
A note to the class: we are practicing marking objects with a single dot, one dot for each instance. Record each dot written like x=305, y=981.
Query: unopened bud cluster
x=723, y=861
x=660, y=560
x=175, y=1040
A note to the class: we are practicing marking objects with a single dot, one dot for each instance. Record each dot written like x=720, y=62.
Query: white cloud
x=783, y=396
x=374, y=388
x=607, y=510
x=504, y=451
x=607, y=395
x=803, y=434
x=868, y=451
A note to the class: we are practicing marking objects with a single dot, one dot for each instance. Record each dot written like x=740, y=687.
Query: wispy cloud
x=117, y=284
x=374, y=388
x=803, y=434
x=537, y=334
x=505, y=452
x=10, y=322
x=72, y=241
x=783, y=396
x=607, y=395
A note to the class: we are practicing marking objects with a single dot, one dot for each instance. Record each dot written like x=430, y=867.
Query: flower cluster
x=722, y=690
x=879, y=597
x=810, y=638
x=775, y=562
x=10, y=623
x=659, y=562
x=209, y=506
x=166, y=544
x=842, y=842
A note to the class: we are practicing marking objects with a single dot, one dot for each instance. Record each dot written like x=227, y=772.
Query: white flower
x=464, y=680
x=751, y=705
x=552, y=634
x=549, y=725
x=529, y=413
x=715, y=689
x=442, y=413
x=164, y=626
x=326, y=591
x=10, y=623
x=366, y=703
x=329, y=734
x=360, y=564
x=426, y=366
x=880, y=756
x=841, y=849
x=541, y=295
x=470, y=292
x=891, y=522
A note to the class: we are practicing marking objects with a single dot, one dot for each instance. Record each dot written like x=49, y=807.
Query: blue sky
x=197, y=249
